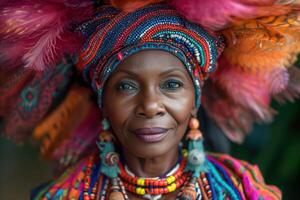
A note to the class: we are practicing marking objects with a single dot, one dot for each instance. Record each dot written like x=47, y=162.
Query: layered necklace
x=154, y=188
x=148, y=188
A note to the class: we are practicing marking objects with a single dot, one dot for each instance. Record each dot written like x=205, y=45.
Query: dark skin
x=151, y=88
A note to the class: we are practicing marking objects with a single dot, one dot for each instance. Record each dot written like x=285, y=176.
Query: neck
x=151, y=167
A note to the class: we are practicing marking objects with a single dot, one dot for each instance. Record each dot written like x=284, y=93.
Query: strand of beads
x=206, y=185
x=156, y=189
x=87, y=181
x=104, y=191
x=142, y=186
x=188, y=191
x=123, y=189
x=142, y=182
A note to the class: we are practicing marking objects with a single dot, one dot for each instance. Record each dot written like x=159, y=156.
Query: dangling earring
x=196, y=158
x=109, y=161
x=196, y=155
x=105, y=124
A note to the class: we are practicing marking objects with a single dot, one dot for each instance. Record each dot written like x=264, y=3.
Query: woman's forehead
x=153, y=56
x=148, y=60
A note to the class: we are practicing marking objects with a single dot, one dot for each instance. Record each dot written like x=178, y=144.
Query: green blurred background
x=276, y=150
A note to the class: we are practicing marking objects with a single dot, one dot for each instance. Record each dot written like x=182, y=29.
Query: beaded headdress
x=41, y=40
x=112, y=36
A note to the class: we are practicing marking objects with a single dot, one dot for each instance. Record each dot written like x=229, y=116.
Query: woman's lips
x=154, y=134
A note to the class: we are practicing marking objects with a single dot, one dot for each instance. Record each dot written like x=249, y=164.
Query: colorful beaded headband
x=113, y=36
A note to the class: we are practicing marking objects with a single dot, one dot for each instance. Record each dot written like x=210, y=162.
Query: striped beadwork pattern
x=112, y=36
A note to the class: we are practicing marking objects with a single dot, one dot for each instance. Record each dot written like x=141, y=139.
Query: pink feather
x=277, y=79
x=233, y=119
x=292, y=91
x=43, y=30
x=218, y=14
x=253, y=90
x=236, y=97
x=11, y=54
x=246, y=89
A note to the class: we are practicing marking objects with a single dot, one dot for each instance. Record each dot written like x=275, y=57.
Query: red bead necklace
x=142, y=186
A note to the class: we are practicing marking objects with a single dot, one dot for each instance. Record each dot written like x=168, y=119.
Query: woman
x=147, y=82
x=147, y=68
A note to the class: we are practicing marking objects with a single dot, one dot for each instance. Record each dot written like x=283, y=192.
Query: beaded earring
x=196, y=159
x=109, y=161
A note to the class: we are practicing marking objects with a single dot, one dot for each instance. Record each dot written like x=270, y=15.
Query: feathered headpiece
x=39, y=38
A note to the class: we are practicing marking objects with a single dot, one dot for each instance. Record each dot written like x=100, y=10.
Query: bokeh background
x=275, y=148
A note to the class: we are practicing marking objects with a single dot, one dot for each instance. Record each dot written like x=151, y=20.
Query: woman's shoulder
x=240, y=178
x=70, y=184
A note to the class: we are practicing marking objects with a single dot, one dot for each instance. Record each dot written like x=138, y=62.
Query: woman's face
x=149, y=100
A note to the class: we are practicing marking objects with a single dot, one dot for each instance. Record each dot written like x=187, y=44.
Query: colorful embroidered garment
x=227, y=178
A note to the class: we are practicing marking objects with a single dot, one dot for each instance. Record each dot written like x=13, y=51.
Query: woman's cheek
x=180, y=108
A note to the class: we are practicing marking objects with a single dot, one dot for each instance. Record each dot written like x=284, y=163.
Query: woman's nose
x=150, y=104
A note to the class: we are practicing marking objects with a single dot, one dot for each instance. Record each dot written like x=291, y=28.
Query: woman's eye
x=172, y=85
x=127, y=86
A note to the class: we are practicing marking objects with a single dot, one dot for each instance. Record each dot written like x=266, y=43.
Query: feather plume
x=234, y=120
x=292, y=91
x=11, y=54
x=246, y=96
x=254, y=68
x=264, y=43
x=39, y=29
x=217, y=15
x=249, y=90
x=277, y=80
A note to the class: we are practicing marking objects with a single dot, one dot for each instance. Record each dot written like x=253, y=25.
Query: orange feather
x=264, y=43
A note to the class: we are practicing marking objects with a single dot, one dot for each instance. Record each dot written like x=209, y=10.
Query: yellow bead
x=141, y=181
x=172, y=187
x=140, y=191
x=169, y=188
x=170, y=179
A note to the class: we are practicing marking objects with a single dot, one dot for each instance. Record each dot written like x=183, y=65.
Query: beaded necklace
x=155, y=197
x=152, y=188
x=148, y=188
